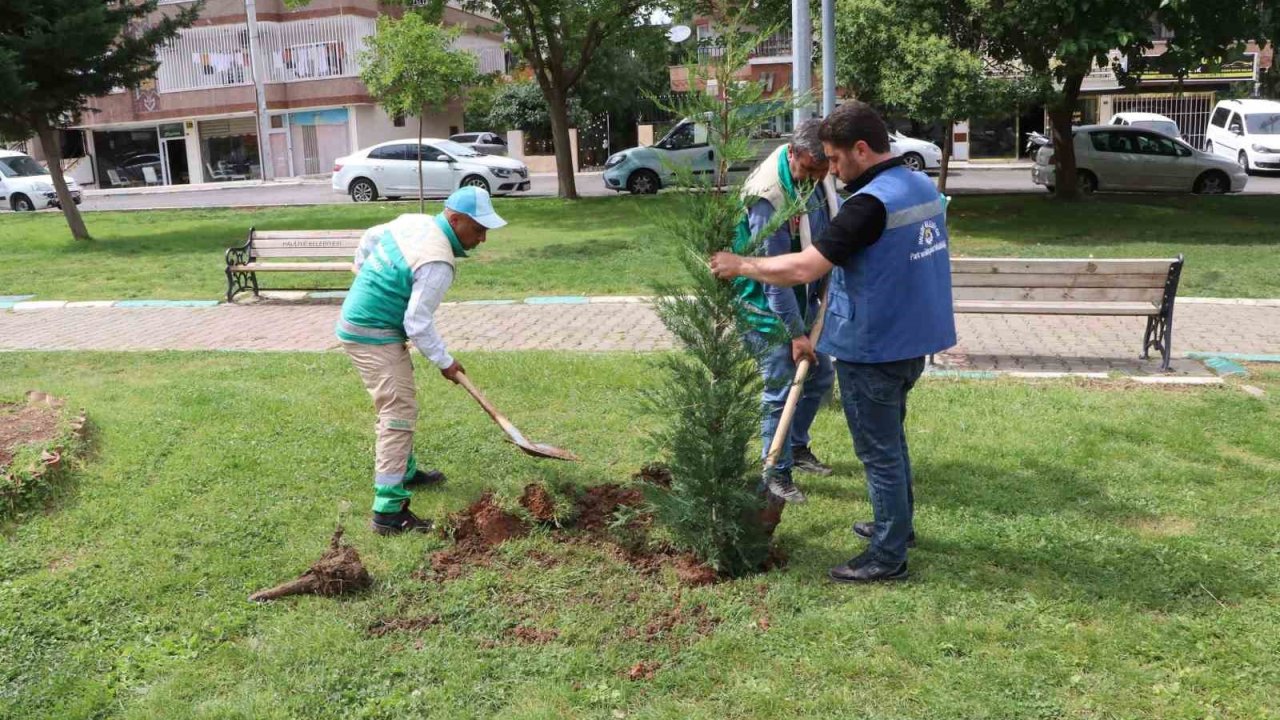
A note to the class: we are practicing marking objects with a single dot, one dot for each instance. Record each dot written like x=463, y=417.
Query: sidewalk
x=1016, y=343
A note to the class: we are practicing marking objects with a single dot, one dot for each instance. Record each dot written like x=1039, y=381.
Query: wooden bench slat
x=304, y=252
x=1055, y=294
x=1012, y=307
x=293, y=267
x=1152, y=280
x=285, y=234
x=1056, y=266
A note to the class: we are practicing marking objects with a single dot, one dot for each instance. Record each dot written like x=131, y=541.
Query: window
x=1100, y=141
x=1155, y=145
x=429, y=154
x=1220, y=117
x=465, y=138
x=388, y=152
x=1115, y=142
x=21, y=166
x=1234, y=124
x=1263, y=123
x=398, y=120
x=315, y=60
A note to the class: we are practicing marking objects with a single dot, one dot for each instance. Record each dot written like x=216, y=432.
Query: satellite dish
x=679, y=33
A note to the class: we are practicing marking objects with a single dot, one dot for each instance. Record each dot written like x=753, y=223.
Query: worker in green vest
x=403, y=269
x=781, y=317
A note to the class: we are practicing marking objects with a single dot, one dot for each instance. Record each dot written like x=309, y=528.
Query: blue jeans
x=779, y=370
x=874, y=396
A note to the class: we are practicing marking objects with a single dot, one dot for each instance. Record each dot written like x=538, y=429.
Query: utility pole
x=828, y=56
x=801, y=58
x=255, y=69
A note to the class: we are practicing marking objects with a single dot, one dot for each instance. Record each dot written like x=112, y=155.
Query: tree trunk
x=422, y=203
x=1064, y=149
x=53, y=156
x=565, y=170
x=947, y=149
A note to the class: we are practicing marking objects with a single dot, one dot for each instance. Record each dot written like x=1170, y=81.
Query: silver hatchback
x=1129, y=159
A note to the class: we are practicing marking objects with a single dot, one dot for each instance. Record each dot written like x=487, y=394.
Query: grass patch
x=1084, y=553
x=611, y=246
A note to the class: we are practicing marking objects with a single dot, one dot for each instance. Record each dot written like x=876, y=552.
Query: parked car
x=920, y=155
x=26, y=185
x=646, y=169
x=484, y=142
x=1246, y=131
x=1112, y=157
x=1148, y=121
x=390, y=170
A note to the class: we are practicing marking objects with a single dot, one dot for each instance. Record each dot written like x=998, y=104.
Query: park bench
x=1019, y=286
x=289, y=251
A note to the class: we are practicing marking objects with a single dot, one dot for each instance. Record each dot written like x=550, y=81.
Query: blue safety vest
x=892, y=301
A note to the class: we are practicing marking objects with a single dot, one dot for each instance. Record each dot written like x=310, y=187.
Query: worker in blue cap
x=403, y=270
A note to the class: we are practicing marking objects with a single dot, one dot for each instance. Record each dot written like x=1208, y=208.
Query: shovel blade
x=541, y=450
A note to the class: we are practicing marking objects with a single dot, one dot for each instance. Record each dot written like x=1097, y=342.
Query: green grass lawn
x=602, y=246
x=1087, y=551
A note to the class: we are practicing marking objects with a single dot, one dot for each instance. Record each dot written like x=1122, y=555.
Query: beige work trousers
x=387, y=372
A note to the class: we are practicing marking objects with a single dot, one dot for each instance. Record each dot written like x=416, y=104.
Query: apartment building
x=769, y=63
x=197, y=121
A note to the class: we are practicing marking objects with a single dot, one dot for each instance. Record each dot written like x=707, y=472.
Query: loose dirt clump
x=338, y=571
x=34, y=422
x=390, y=625
x=596, y=507
x=694, y=573
x=531, y=635
x=538, y=502
x=654, y=474
x=664, y=625
x=485, y=525
x=643, y=670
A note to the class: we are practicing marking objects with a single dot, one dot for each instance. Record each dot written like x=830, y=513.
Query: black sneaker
x=784, y=488
x=398, y=522
x=863, y=569
x=427, y=479
x=865, y=530
x=803, y=459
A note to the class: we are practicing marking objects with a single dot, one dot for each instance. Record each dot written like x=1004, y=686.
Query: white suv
x=26, y=185
x=1247, y=131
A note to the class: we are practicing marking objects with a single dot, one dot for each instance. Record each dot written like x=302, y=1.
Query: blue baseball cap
x=474, y=203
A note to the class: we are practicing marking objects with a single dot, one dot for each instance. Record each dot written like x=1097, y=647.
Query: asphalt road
x=589, y=184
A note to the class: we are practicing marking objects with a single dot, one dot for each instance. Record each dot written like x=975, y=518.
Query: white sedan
x=919, y=155
x=390, y=170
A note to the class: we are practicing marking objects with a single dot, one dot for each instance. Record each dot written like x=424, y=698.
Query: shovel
x=513, y=435
x=783, y=433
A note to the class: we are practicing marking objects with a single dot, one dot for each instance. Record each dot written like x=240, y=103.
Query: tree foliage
x=410, y=66
x=521, y=106
x=56, y=56
x=710, y=397
x=559, y=40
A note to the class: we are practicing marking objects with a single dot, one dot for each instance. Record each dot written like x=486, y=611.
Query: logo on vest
x=930, y=239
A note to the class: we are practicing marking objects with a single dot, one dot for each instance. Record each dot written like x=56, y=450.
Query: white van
x=26, y=185
x=1148, y=121
x=1247, y=131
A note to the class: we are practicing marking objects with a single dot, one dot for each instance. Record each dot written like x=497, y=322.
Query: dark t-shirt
x=860, y=221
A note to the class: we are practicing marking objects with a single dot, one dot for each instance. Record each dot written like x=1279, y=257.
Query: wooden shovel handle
x=498, y=417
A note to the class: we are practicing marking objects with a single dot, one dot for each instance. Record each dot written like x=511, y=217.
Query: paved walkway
x=987, y=342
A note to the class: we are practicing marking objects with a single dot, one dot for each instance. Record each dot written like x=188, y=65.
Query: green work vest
x=763, y=184
x=373, y=312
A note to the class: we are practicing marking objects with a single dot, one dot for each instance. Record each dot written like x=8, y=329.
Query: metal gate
x=1190, y=110
x=593, y=143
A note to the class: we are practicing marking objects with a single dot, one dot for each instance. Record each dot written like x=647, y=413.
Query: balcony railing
x=776, y=45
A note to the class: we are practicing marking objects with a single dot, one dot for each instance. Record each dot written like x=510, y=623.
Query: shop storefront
x=144, y=156
x=229, y=149
x=308, y=142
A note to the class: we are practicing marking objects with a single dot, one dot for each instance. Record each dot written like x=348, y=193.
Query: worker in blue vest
x=890, y=307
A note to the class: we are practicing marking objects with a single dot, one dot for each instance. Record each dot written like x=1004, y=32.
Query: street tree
x=559, y=40
x=410, y=66
x=56, y=56
x=1058, y=43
